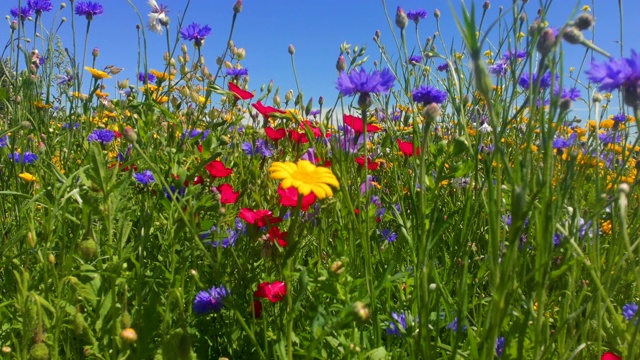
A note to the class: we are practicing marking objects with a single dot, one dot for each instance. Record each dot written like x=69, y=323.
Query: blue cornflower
x=27, y=158
x=103, y=136
x=375, y=200
x=499, y=69
x=398, y=325
x=514, y=54
x=629, y=311
x=609, y=138
x=40, y=6
x=174, y=194
x=443, y=67
x=415, y=59
x=361, y=82
x=454, y=325
x=309, y=155
x=260, y=148
x=417, y=15
x=21, y=13
x=428, y=94
x=71, y=126
x=4, y=141
x=237, y=72
x=388, y=235
x=621, y=117
x=545, y=81
x=616, y=73
x=562, y=143
x=210, y=300
x=195, y=133
x=500, y=346
x=89, y=9
x=557, y=239
x=314, y=112
x=146, y=78
x=572, y=94
x=145, y=178
x=195, y=33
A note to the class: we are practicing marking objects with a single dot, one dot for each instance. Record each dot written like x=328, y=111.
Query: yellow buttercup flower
x=586, y=8
x=161, y=75
x=305, y=177
x=27, y=177
x=97, y=74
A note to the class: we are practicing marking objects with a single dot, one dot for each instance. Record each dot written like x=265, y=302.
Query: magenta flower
x=196, y=33
x=89, y=9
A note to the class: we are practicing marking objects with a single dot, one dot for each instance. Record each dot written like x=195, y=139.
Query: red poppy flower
x=299, y=137
x=314, y=129
x=289, y=197
x=276, y=235
x=216, y=169
x=239, y=93
x=274, y=291
x=372, y=165
x=275, y=134
x=256, y=309
x=266, y=111
x=358, y=126
x=406, y=148
x=610, y=356
x=197, y=180
x=258, y=217
x=227, y=195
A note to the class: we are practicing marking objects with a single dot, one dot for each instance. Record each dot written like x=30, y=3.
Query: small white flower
x=157, y=17
x=485, y=128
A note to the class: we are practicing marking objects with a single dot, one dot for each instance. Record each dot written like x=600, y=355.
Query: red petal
x=216, y=169
x=239, y=93
x=266, y=110
x=227, y=195
x=406, y=148
x=610, y=356
x=354, y=122
x=256, y=309
x=275, y=135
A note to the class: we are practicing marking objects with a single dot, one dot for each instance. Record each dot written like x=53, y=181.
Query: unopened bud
x=573, y=35
x=376, y=36
x=276, y=100
x=565, y=104
x=337, y=267
x=184, y=48
x=39, y=351
x=291, y=49
x=288, y=96
x=584, y=21
x=597, y=97
x=361, y=310
x=341, y=64
x=129, y=135
x=123, y=84
x=546, y=42
x=241, y=53
x=401, y=18
x=14, y=25
x=88, y=249
x=486, y=5
x=128, y=335
x=436, y=14
x=96, y=52
x=237, y=7
x=431, y=112
x=125, y=320
x=321, y=100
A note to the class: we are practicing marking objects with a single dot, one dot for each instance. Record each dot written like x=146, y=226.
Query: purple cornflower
x=514, y=54
x=415, y=59
x=616, y=73
x=572, y=94
x=145, y=178
x=71, y=126
x=196, y=33
x=629, y=311
x=4, y=141
x=607, y=138
x=21, y=13
x=233, y=235
x=27, y=158
x=398, y=324
x=557, y=239
x=428, y=94
x=443, y=67
x=619, y=118
x=545, y=81
x=40, y=6
x=454, y=325
x=174, y=194
x=417, y=15
x=562, y=143
x=315, y=112
x=146, y=78
x=237, y=72
x=89, y=9
x=500, y=346
x=388, y=235
x=195, y=133
x=210, y=300
x=103, y=136
x=361, y=82
x=260, y=148
x=64, y=79
x=499, y=69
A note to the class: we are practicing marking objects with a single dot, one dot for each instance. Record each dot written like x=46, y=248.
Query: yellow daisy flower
x=97, y=74
x=305, y=177
x=161, y=75
x=27, y=177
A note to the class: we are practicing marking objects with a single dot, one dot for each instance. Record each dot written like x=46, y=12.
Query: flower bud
x=361, y=310
x=128, y=335
x=321, y=100
x=436, y=14
x=431, y=112
x=597, y=97
x=565, y=104
x=584, y=21
x=78, y=323
x=376, y=36
x=291, y=49
x=341, y=64
x=125, y=320
x=6, y=350
x=276, y=100
x=241, y=53
x=88, y=249
x=546, y=42
x=129, y=135
x=96, y=52
x=401, y=18
x=337, y=267
x=14, y=25
x=237, y=7
x=288, y=96
x=184, y=48
x=573, y=35
x=486, y=5
x=39, y=351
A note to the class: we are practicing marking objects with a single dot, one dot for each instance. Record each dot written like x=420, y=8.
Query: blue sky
x=316, y=29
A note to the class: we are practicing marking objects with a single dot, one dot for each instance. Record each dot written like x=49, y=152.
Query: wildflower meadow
x=468, y=195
